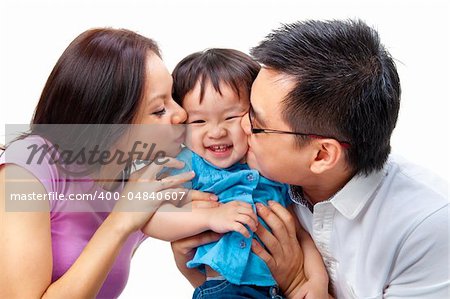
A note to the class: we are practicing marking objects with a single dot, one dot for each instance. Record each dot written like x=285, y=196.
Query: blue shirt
x=231, y=256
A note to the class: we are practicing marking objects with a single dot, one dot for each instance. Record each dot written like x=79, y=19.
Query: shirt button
x=250, y=177
x=242, y=244
x=274, y=291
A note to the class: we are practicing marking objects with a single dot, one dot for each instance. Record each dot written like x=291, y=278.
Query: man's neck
x=325, y=187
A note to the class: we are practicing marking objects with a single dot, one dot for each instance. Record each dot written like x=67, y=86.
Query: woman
x=61, y=249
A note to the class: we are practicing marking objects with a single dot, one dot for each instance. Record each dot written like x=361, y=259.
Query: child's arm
x=182, y=222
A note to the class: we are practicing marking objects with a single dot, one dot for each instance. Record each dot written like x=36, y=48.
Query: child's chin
x=223, y=163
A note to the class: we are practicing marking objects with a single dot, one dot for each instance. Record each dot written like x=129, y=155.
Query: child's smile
x=214, y=129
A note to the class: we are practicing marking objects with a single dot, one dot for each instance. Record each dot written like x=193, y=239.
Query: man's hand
x=283, y=256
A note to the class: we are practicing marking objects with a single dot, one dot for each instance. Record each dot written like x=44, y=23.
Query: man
x=324, y=106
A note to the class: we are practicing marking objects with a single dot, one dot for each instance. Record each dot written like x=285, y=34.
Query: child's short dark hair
x=228, y=66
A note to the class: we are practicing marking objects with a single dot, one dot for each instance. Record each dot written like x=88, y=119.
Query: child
x=214, y=88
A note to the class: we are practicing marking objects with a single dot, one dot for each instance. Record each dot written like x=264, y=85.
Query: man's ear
x=328, y=152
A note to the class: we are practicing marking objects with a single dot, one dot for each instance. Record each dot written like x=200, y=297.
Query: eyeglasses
x=254, y=130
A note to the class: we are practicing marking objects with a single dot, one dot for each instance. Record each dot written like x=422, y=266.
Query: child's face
x=214, y=126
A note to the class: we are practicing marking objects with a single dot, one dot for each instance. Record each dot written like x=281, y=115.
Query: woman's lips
x=181, y=138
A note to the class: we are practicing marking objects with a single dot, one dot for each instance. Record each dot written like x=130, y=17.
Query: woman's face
x=157, y=124
x=157, y=105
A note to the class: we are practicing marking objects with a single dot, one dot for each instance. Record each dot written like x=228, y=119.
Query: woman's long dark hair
x=99, y=79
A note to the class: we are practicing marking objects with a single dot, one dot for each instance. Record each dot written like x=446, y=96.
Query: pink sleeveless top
x=71, y=231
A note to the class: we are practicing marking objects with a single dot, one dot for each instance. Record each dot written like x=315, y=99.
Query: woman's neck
x=109, y=176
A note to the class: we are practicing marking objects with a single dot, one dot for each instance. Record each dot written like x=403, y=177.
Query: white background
x=33, y=34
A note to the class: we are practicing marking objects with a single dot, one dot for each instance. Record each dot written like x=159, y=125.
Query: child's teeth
x=219, y=147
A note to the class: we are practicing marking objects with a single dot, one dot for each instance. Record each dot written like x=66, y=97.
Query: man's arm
x=421, y=268
x=314, y=268
x=286, y=258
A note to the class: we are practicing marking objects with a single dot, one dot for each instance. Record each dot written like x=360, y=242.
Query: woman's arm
x=27, y=251
x=25, y=242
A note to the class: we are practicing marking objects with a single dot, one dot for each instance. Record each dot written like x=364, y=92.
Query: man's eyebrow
x=257, y=116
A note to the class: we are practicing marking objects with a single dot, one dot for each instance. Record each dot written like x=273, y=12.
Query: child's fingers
x=240, y=228
x=245, y=219
x=248, y=210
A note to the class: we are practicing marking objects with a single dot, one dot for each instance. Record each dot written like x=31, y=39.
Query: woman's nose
x=179, y=115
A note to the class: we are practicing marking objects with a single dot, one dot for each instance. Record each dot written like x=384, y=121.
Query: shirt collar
x=353, y=197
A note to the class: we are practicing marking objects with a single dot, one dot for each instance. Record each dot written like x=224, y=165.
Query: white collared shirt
x=385, y=235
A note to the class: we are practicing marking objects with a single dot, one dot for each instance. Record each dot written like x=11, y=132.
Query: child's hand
x=232, y=216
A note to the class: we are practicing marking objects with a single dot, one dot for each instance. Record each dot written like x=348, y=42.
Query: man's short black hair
x=346, y=85
x=226, y=66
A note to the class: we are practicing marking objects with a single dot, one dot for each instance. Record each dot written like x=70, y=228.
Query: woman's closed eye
x=160, y=112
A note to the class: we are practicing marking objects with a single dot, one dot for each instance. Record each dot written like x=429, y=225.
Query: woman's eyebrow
x=158, y=97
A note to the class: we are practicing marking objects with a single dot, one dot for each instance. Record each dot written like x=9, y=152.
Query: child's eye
x=160, y=112
x=233, y=117
x=199, y=121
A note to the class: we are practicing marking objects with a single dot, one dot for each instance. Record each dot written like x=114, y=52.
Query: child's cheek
x=193, y=138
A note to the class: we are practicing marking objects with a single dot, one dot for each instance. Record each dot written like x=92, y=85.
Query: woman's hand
x=184, y=251
x=283, y=256
x=232, y=216
x=132, y=215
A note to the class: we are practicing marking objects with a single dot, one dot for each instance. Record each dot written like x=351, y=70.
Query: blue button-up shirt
x=231, y=256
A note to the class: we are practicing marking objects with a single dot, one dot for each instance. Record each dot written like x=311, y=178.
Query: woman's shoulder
x=34, y=154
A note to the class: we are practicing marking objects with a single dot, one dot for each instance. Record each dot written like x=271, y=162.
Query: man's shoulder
x=409, y=195
x=416, y=180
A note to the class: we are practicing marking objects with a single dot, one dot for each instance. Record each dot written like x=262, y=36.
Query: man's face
x=276, y=156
